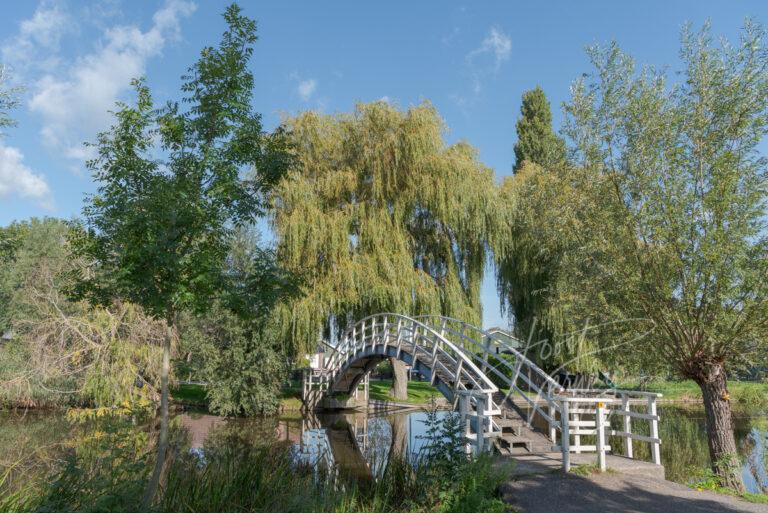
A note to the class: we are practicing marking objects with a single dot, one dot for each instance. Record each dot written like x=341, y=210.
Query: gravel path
x=615, y=493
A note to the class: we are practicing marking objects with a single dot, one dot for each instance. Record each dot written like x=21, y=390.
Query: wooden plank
x=588, y=448
x=583, y=431
x=635, y=436
x=636, y=415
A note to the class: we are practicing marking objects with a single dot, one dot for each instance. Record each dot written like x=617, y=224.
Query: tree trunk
x=162, y=445
x=722, y=445
x=399, y=445
x=399, y=388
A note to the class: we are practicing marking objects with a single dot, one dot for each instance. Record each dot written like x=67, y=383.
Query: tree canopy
x=681, y=242
x=174, y=185
x=378, y=213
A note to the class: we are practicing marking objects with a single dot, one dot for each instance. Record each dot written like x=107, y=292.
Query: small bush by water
x=106, y=470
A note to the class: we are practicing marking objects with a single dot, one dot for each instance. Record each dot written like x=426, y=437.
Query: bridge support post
x=655, y=447
x=600, y=428
x=480, y=425
x=565, y=440
x=628, y=450
x=464, y=419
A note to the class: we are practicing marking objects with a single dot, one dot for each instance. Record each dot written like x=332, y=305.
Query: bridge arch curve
x=460, y=360
x=448, y=365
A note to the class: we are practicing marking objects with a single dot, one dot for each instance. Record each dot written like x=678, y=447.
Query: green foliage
x=9, y=99
x=545, y=214
x=687, y=246
x=233, y=347
x=159, y=231
x=239, y=470
x=63, y=352
x=705, y=479
x=504, y=364
x=419, y=392
x=536, y=141
x=379, y=214
x=242, y=365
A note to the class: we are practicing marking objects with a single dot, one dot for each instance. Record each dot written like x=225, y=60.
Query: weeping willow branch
x=378, y=213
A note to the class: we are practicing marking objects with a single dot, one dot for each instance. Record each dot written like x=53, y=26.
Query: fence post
x=565, y=440
x=480, y=424
x=577, y=423
x=655, y=449
x=464, y=419
x=629, y=453
x=550, y=412
x=600, y=427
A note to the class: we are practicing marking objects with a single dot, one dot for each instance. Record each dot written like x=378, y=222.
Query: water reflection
x=357, y=445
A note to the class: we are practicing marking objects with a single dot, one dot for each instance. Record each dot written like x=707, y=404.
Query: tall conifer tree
x=536, y=142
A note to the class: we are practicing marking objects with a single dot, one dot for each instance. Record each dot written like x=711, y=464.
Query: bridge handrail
x=493, y=336
x=552, y=387
x=415, y=324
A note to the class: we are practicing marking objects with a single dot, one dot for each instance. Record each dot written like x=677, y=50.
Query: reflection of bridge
x=506, y=400
x=353, y=444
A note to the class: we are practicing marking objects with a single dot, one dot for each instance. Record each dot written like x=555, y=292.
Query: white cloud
x=496, y=43
x=38, y=39
x=306, y=89
x=483, y=62
x=17, y=179
x=75, y=101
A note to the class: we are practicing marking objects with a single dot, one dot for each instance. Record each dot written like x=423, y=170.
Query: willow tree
x=544, y=215
x=379, y=214
x=688, y=177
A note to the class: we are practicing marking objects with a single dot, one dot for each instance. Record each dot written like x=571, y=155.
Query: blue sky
x=472, y=60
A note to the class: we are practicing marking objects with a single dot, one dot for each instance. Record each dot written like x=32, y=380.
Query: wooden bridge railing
x=588, y=412
x=475, y=358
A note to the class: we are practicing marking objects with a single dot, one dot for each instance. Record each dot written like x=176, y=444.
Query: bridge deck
x=527, y=464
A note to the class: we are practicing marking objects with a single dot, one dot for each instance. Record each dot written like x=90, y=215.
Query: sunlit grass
x=191, y=394
x=743, y=393
x=419, y=392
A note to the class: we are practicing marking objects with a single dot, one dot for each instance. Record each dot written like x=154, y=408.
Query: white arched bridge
x=506, y=401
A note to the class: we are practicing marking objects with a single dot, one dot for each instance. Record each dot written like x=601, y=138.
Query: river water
x=356, y=444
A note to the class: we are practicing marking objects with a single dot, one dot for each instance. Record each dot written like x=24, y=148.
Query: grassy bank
x=236, y=471
x=746, y=394
x=419, y=392
x=193, y=395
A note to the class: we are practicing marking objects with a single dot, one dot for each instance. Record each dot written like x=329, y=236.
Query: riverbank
x=420, y=393
x=746, y=394
x=301, y=465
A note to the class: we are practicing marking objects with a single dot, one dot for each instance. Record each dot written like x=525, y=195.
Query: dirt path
x=615, y=493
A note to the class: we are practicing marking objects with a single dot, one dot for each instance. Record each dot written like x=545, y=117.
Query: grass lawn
x=189, y=394
x=419, y=392
x=743, y=393
x=195, y=395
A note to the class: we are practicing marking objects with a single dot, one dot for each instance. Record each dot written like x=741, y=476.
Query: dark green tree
x=523, y=262
x=536, y=142
x=174, y=185
x=233, y=347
